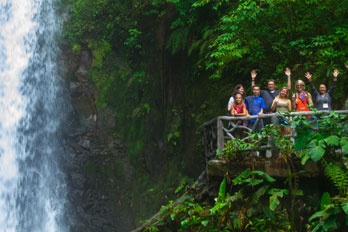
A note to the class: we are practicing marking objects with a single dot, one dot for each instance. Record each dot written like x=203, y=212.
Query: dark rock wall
x=97, y=167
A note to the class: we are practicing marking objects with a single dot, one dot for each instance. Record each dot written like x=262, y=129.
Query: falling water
x=32, y=189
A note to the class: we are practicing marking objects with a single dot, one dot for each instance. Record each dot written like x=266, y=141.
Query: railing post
x=205, y=142
x=220, y=135
x=274, y=149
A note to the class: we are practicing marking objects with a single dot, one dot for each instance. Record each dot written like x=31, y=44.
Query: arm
x=289, y=105
x=262, y=107
x=245, y=112
x=333, y=86
x=314, y=90
x=288, y=73
x=294, y=101
x=246, y=108
x=253, y=74
x=308, y=75
x=233, y=112
x=274, y=104
x=261, y=112
x=229, y=105
x=309, y=98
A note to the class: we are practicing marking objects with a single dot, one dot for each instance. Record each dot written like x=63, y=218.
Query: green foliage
x=139, y=57
x=230, y=211
x=132, y=40
x=338, y=175
x=178, y=40
x=330, y=135
x=238, y=147
x=331, y=211
x=264, y=32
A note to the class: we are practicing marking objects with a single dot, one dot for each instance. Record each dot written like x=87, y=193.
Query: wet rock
x=85, y=143
x=92, y=158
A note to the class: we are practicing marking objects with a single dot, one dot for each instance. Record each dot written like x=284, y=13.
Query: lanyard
x=325, y=98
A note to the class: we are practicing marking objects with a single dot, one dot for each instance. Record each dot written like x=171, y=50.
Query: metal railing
x=216, y=132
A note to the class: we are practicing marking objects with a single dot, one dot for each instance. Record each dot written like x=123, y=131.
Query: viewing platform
x=218, y=131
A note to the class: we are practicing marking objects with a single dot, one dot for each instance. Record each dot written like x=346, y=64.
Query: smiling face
x=271, y=85
x=300, y=86
x=256, y=91
x=322, y=89
x=241, y=90
x=283, y=93
x=238, y=99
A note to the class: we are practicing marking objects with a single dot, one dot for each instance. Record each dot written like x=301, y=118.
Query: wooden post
x=220, y=135
x=274, y=148
x=205, y=142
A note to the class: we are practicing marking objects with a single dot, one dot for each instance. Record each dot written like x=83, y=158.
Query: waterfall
x=32, y=185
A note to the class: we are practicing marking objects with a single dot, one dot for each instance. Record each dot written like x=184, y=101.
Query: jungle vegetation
x=167, y=66
x=254, y=201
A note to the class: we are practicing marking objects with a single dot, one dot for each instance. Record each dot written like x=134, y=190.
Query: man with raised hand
x=269, y=94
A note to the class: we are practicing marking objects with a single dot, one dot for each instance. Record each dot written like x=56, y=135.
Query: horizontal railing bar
x=217, y=127
x=209, y=122
x=304, y=113
x=247, y=118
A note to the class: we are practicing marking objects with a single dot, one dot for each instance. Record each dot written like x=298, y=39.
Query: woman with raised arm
x=323, y=98
x=282, y=104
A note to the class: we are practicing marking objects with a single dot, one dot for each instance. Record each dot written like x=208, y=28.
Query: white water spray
x=32, y=190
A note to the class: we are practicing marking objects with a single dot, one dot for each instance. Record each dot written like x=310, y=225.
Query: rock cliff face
x=97, y=167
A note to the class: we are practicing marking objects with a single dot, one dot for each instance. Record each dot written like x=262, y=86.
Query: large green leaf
x=317, y=214
x=254, y=182
x=344, y=144
x=222, y=190
x=304, y=157
x=325, y=200
x=242, y=176
x=332, y=140
x=264, y=175
x=274, y=201
x=316, y=152
x=344, y=206
x=301, y=140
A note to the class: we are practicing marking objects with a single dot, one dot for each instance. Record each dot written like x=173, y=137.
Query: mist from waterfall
x=32, y=186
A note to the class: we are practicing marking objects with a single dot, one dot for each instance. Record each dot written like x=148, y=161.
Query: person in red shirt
x=238, y=108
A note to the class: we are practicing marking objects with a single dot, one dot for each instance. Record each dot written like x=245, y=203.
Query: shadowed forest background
x=163, y=68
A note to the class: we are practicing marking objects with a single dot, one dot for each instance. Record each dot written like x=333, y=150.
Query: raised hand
x=253, y=74
x=276, y=99
x=308, y=75
x=287, y=72
x=335, y=73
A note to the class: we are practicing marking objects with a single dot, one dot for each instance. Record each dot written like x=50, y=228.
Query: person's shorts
x=283, y=122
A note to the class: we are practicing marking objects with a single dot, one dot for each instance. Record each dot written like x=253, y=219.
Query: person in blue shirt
x=255, y=106
x=323, y=97
x=271, y=92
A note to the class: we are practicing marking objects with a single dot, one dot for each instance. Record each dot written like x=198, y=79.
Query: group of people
x=273, y=100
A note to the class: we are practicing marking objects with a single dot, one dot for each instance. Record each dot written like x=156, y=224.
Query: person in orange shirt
x=301, y=99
